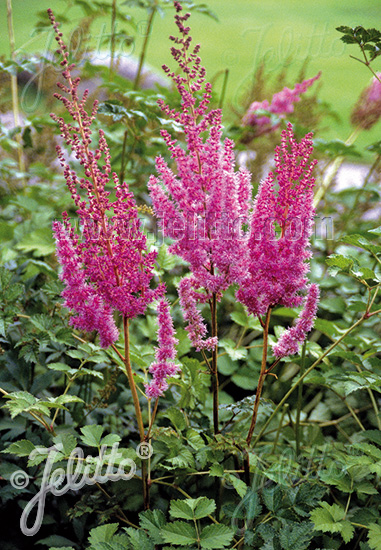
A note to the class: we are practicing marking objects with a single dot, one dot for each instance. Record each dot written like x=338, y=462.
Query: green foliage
x=369, y=40
x=312, y=476
x=331, y=519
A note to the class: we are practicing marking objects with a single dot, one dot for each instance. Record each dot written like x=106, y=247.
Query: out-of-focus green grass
x=280, y=32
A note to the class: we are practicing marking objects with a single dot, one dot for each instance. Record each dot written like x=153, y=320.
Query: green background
x=249, y=31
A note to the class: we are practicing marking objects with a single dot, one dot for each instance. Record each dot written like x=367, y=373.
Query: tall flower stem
x=136, y=85
x=113, y=29
x=145, y=45
x=15, y=100
x=214, y=363
x=262, y=376
x=130, y=377
x=300, y=398
x=310, y=369
x=333, y=169
x=349, y=215
x=138, y=410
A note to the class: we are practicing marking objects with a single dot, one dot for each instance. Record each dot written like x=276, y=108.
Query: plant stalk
x=214, y=364
x=138, y=410
x=144, y=48
x=15, y=98
x=333, y=169
x=306, y=373
x=112, y=41
x=262, y=376
x=299, y=405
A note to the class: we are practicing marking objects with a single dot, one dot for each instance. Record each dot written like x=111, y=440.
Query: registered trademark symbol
x=144, y=450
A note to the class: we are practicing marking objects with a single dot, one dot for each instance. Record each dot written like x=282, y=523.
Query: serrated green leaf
x=216, y=470
x=194, y=439
x=153, y=521
x=231, y=349
x=104, y=533
x=347, y=531
x=238, y=484
x=192, y=508
x=374, y=536
x=110, y=439
x=92, y=435
x=179, y=532
x=181, y=509
x=361, y=242
x=205, y=507
x=340, y=261
x=376, y=230
x=216, y=536
x=176, y=417
x=139, y=539
x=66, y=442
x=40, y=242
x=330, y=519
x=55, y=540
x=252, y=504
x=296, y=536
x=20, y=448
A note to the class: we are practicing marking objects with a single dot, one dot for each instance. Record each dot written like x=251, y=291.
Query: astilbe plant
x=367, y=110
x=107, y=268
x=282, y=104
x=204, y=204
x=278, y=262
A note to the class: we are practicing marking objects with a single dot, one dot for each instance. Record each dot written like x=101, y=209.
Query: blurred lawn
x=248, y=32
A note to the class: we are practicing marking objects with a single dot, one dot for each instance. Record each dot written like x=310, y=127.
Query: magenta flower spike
x=367, y=110
x=110, y=266
x=203, y=203
x=164, y=366
x=91, y=313
x=278, y=261
x=282, y=104
x=290, y=340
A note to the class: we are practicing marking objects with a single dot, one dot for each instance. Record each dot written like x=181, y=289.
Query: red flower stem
x=214, y=364
x=262, y=377
x=138, y=410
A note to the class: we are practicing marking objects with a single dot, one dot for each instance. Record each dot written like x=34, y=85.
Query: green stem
x=15, y=98
x=279, y=428
x=123, y=160
x=306, y=373
x=333, y=169
x=262, y=376
x=152, y=419
x=112, y=45
x=130, y=377
x=300, y=398
x=138, y=410
x=224, y=86
x=214, y=364
x=64, y=393
x=359, y=191
x=144, y=48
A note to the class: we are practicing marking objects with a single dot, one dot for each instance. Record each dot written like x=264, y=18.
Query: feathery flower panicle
x=367, y=110
x=196, y=327
x=290, y=340
x=91, y=312
x=163, y=367
x=204, y=203
x=278, y=261
x=282, y=103
x=110, y=259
